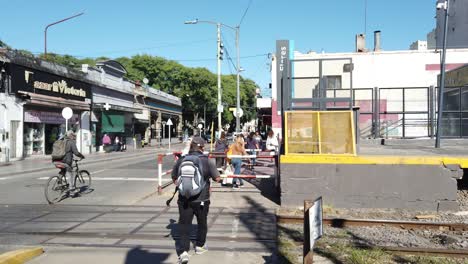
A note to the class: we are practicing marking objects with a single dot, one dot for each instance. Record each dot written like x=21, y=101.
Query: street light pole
x=236, y=29
x=446, y=6
x=55, y=23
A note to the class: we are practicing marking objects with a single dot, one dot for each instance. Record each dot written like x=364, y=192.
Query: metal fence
x=402, y=112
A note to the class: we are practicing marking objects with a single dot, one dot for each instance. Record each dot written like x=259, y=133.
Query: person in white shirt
x=272, y=141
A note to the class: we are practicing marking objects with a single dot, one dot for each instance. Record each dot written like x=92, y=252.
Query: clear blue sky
x=125, y=28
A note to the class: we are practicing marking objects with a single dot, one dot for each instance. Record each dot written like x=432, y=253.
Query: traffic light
x=221, y=51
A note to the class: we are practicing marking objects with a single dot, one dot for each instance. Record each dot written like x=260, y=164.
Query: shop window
x=332, y=82
x=33, y=139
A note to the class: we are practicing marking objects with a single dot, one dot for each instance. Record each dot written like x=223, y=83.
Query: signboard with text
x=32, y=116
x=35, y=81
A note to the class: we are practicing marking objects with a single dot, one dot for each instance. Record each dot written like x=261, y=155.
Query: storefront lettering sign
x=25, y=79
x=282, y=65
x=59, y=87
x=47, y=117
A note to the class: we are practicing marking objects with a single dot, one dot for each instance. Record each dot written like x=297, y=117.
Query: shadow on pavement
x=174, y=233
x=137, y=255
x=259, y=227
x=266, y=187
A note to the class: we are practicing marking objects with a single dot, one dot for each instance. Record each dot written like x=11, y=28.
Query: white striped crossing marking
x=115, y=179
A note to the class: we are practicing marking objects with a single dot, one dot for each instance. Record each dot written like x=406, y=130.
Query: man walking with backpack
x=63, y=151
x=191, y=174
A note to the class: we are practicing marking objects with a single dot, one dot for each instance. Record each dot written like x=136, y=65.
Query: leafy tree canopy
x=197, y=87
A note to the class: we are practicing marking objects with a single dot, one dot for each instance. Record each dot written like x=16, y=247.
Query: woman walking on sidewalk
x=238, y=149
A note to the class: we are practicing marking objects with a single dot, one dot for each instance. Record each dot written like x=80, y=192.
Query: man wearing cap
x=70, y=150
x=195, y=206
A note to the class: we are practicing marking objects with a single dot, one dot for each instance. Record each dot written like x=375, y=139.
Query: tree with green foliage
x=197, y=87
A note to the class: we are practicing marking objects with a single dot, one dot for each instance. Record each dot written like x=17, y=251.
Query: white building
x=336, y=73
x=419, y=45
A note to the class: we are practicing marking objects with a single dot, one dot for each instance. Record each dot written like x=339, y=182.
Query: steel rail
x=439, y=252
x=341, y=223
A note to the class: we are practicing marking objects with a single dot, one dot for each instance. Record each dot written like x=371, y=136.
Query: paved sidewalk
x=44, y=163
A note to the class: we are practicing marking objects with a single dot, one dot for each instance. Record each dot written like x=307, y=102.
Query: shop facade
x=33, y=104
x=114, y=115
x=159, y=107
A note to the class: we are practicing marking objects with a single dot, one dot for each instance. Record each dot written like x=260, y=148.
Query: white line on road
x=116, y=179
x=5, y=178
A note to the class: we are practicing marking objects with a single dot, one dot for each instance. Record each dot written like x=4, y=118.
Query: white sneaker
x=201, y=250
x=184, y=258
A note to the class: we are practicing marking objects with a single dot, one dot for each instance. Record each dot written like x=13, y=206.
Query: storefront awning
x=113, y=107
x=112, y=123
x=56, y=102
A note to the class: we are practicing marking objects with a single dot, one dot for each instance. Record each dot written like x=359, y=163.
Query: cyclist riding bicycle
x=65, y=163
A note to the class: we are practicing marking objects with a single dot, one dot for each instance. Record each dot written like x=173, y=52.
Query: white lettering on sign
x=282, y=58
x=60, y=87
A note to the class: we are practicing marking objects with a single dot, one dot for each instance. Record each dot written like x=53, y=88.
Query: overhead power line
x=245, y=13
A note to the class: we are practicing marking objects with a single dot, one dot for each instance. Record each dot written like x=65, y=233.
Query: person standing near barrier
x=197, y=205
x=238, y=149
x=272, y=141
x=252, y=145
x=258, y=137
x=221, y=145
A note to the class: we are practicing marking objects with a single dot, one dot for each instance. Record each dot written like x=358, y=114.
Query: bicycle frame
x=75, y=172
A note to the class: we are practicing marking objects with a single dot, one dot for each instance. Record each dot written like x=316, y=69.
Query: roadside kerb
x=93, y=161
x=20, y=256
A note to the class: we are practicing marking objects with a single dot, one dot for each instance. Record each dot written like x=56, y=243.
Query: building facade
x=457, y=25
x=33, y=93
x=403, y=79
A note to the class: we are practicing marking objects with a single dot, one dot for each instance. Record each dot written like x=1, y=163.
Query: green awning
x=113, y=123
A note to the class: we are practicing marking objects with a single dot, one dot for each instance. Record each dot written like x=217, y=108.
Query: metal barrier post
x=375, y=132
x=308, y=253
x=160, y=159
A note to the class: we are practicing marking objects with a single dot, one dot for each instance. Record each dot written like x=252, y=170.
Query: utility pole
x=219, y=106
x=238, y=81
x=446, y=6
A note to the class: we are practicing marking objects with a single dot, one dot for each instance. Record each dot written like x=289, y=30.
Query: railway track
x=439, y=252
x=342, y=222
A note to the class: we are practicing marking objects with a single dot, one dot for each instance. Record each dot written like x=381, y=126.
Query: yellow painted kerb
x=20, y=256
x=374, y=160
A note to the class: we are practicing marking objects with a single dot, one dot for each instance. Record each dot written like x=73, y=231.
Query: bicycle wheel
x=54, y=189
x=83, y=180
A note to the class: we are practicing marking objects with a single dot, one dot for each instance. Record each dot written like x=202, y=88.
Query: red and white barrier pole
x=242, y=156
x=160, y=171
x=160, y=159
x=246, y=176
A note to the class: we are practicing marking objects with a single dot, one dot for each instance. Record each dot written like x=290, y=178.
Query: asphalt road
x=119, y=182
x=122, y=219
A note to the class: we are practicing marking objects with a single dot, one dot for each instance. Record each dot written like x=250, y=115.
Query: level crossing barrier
x=176, y=155
x=259, y=155
x=162, y=173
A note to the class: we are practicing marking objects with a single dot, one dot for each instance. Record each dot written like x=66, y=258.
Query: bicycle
x=57, y=186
